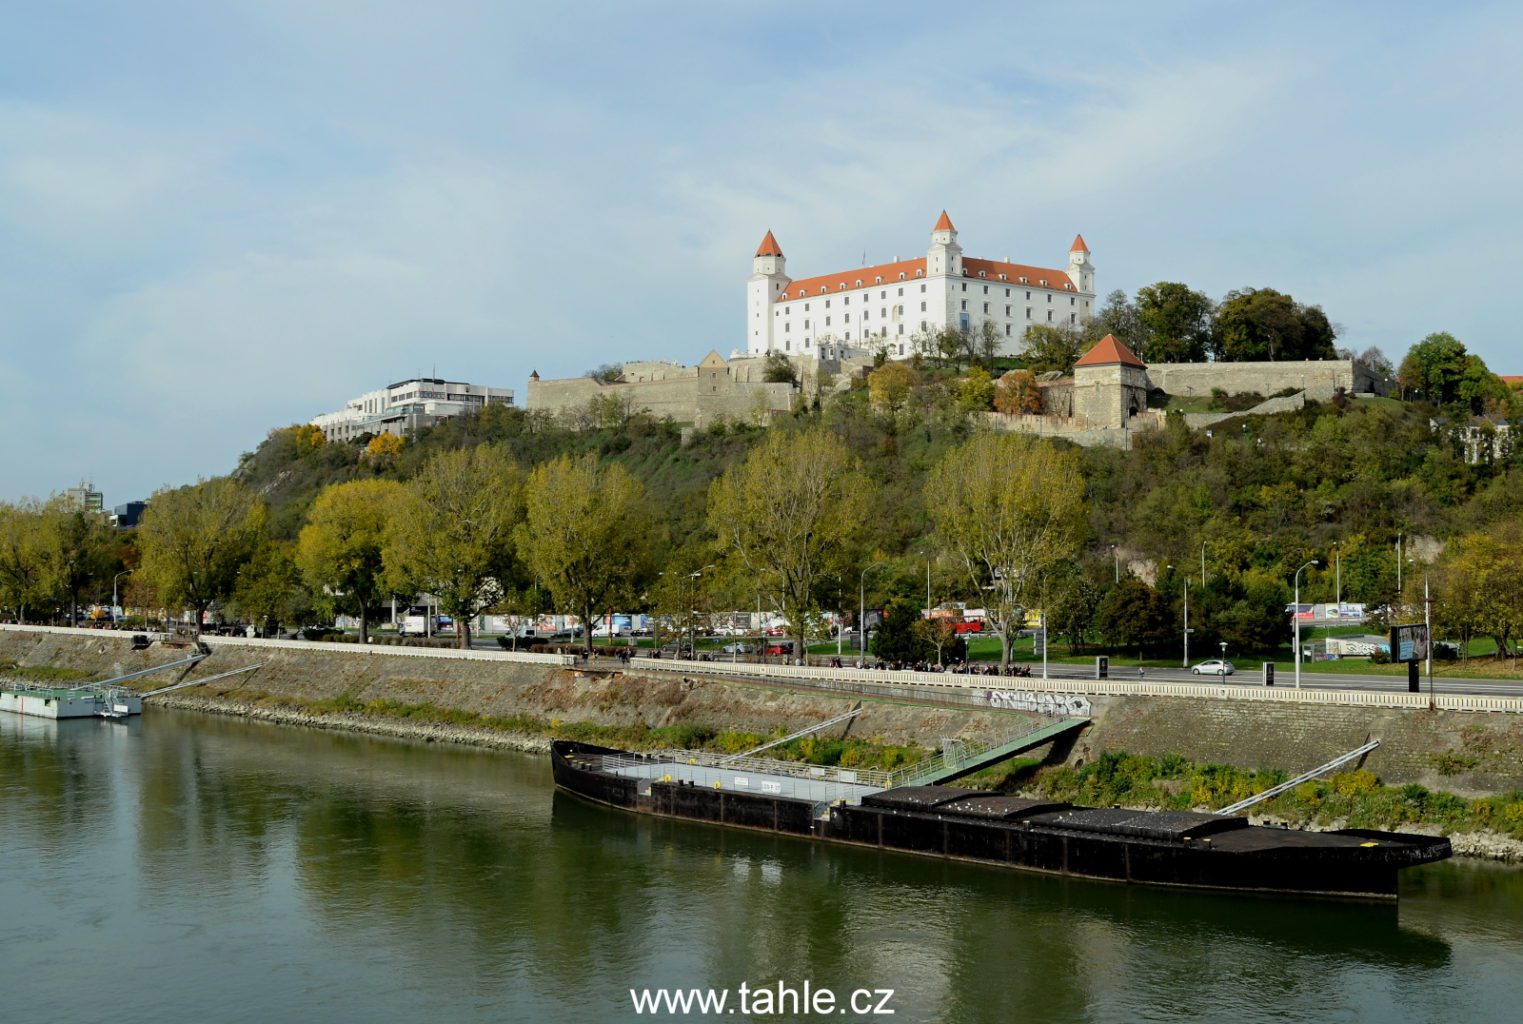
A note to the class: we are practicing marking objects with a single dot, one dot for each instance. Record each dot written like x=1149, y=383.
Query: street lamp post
x=1338, y=576
x=1117, y=555
x=1186, y=580
x=1296, y=614
x=124, y=572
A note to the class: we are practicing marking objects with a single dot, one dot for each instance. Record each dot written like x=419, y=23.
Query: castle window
x=1028, y=312
x=806, y=325
x=859, y=282
x=901, y=331
x=1043, y=283
x=1024, y=281
x=787, y=346
x=1073, y=318
x=922, y=307
x=984, y=273
x=901, y=275
x=806, y=307
x=846, y=317
x=822, y=289
x=883, y=295
x=986, y=309
x=1007, y=330
x=965, y=305
x=788, y=327
x=847, y=300
x=1049, y=316
x=841, y=286
x=877, y=280
x=827, y=321
x=1003, y=278
x=986, y=289
x=883, y=313
x=965, y=286
x=922, y=289
x=920, y=273
x=1049, y=298
x=1070, y=300
x=1007, y=310
x=901, y=290
x=827, y=302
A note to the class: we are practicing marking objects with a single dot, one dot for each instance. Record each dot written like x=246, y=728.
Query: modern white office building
x=407, y=406
x=891, y=305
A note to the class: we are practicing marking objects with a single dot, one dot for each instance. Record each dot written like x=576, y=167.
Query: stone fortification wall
x=1268, y=407
x=1318, y=378
x=686, y=397
x=1075, y=429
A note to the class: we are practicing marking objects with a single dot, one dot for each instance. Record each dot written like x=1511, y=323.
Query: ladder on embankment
x=1322, y=769
x=956, y=760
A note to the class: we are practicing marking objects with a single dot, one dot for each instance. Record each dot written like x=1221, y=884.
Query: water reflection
x=379, y=880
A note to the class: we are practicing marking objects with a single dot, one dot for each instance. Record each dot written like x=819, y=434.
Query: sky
x=220, y=219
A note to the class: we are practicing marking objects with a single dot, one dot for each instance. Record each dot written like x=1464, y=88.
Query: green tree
x=340, y=549
x=790, y=515
x=22, y=558
x=1434, y=368
x=779, y=369
x=1118, y=316
x=975, y=391
x=898, y=637
x=1008, y=509
x=271, y=591
x=1256, y=620
x=1050, y=349
x=1175, y=323
x=1480, y=584
x=78, y=548
x=1070, y=604
x=1133, y=616
x=195, y=539
x=1261, y=324
x=586, y=535
x=452, y=533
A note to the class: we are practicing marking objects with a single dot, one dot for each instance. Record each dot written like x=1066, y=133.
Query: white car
x=1214, y=667
x=739, y=647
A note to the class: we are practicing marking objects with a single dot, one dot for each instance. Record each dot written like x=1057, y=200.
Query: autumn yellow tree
x=452, y=532
x=383, y=449
x=586, y=534
x=195, y=539
x=790, y=515
x=340, y=549
x=889, y=386
x=1008, y=508
x=1479, y=585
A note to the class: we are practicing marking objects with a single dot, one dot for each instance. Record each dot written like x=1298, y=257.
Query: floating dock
x=62, y=702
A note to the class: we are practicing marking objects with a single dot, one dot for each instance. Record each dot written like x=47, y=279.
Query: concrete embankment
x=513, y=704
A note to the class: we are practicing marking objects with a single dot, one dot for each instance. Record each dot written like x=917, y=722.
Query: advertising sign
x=1409, y=643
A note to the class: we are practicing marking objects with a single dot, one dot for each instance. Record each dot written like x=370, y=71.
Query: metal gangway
x=958, y=758
x=182, y=684
x=117, y=680
x=844, y=717
x=1275, y=791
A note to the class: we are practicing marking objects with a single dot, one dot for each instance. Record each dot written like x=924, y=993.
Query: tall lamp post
x=1186, y=580
x=862, y=605
x=1117, y=555
x=124, y=572
x=1296, y=614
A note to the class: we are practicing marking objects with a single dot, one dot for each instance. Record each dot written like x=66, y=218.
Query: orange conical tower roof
x=1109, y=352
x=769, y=246
x=1078, y=245
x=944, y=223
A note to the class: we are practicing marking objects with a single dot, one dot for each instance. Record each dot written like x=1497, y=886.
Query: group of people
x=956, y=667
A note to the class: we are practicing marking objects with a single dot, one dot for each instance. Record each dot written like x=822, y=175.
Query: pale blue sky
x=219, y=218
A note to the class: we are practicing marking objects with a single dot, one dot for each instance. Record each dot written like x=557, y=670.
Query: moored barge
x=1171, y=848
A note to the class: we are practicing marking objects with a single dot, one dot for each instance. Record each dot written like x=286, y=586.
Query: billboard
x=1409, y=643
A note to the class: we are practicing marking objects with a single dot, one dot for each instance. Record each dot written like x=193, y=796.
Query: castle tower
x=767, y=281
x=944, y=258
x=1080, y=269
x=1110, y=385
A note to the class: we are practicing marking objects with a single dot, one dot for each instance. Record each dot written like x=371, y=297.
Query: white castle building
x=895, y=306
x=406, y=406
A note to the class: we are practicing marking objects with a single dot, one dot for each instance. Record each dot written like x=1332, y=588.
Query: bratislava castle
x=891, y=305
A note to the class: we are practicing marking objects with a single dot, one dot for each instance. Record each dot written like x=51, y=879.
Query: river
x=183, y=867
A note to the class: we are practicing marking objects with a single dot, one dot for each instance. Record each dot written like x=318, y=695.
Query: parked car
x=779, y=647
x=738, y=647
x=1214, y=667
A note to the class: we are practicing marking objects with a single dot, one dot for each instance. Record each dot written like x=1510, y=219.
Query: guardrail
x=942, y=685
x=313, y=645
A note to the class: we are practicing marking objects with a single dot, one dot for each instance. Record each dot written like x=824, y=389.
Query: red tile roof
x=1078, y=245
x=944, y=223
x=769, y=247
x=1109, y=352
x=1512, y=382
x=846, y=280
x=992, y=269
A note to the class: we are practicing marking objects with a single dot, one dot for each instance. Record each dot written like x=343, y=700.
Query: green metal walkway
x=957, y=759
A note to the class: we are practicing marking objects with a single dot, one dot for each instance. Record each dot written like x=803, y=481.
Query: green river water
x=190, y=868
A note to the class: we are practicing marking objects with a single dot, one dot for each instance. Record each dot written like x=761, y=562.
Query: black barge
x=1175, y=848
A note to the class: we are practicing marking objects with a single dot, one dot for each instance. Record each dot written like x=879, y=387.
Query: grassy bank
x=1356, y=799
x=848, y=753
